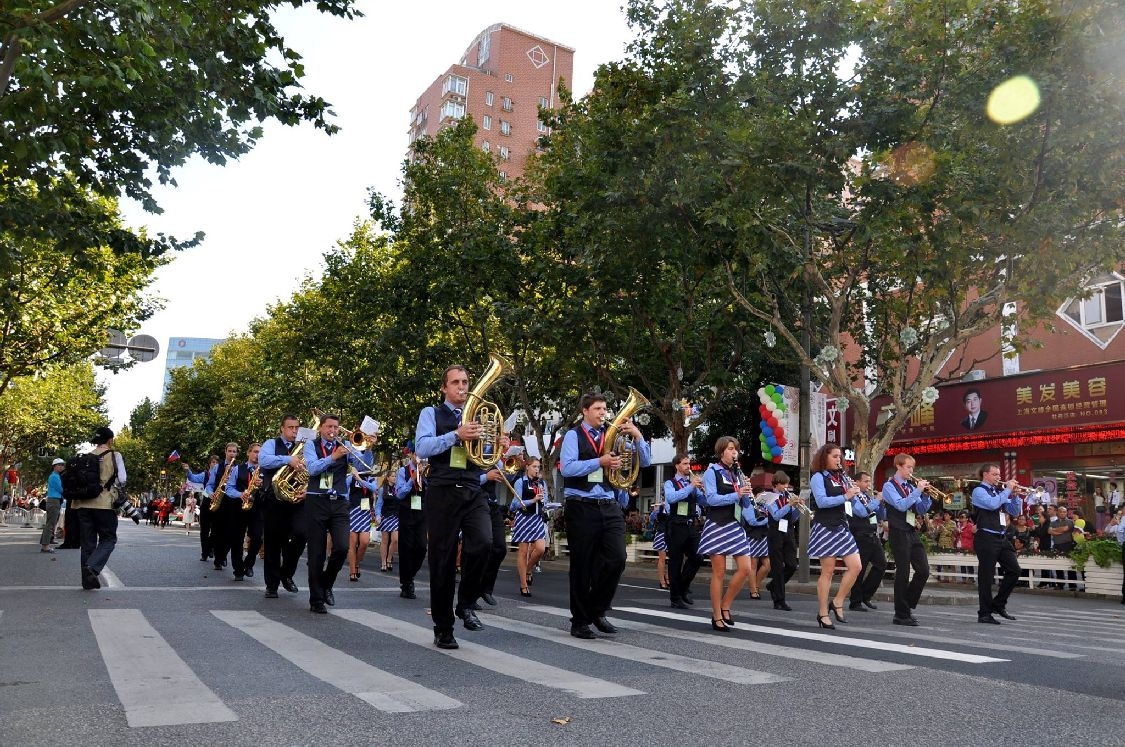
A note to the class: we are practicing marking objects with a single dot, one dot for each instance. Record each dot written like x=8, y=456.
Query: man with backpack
x=93, y=494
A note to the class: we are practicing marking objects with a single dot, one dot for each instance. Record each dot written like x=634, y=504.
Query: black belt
x=590, y=499
x=329, y=496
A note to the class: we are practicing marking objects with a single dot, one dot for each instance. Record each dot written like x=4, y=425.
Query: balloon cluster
x=772, y=409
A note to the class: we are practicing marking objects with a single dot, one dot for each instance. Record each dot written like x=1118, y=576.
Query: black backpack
x=82, y=477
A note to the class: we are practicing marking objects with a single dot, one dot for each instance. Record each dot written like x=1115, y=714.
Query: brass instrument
x=356, y=442
x=1024, y=491
x=622, y=445
x=483, y=451
x=251, y=488
x=289, y=483
x=514, y=463
x=933, y=492
x=221, y=486
x=797, y=502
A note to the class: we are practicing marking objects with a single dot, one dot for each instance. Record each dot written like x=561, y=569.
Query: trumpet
x=933, y=492
x=797, y=502
x=1024, y=491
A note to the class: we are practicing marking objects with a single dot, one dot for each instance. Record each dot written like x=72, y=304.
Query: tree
x=141, y=416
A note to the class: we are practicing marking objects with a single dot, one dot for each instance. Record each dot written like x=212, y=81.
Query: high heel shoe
x=836, y=611
x=354, y=577
x=820, y=621
x=525, y=592
x=727, y=618
x=755, y=595
x=720, y=626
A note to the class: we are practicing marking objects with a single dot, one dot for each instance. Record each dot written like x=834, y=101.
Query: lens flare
x=1013, y=100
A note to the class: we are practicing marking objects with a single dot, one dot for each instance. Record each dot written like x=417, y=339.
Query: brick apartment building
x=502, y=81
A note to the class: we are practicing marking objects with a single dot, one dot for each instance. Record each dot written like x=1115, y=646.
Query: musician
x=658, y=520
x=206, y=544
x=497, y=495
x=595, y=524
x=829, y=536
x=387, y=510
x=756, y=522
x=904, y=500
x=996, y=508
x=530, y=529
x=783, y=521
x=867, y=513
x=327, y=509
x=223, y=518
x=283, y=522
x=727, y=497
x=410, y=491
x=455, y=505
x=360, y=492
x=241, y=522
x=684, y=499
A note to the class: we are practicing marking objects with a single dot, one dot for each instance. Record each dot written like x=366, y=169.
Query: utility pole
x=804, y=450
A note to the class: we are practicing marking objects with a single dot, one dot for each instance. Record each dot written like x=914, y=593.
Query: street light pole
x=804, y=455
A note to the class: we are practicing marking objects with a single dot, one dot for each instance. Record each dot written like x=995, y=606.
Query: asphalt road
x=174, y=653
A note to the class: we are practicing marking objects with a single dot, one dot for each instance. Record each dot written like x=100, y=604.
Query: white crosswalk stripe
x=141, y=663
x=492, y=659
x=383, y=690
x=744, y=644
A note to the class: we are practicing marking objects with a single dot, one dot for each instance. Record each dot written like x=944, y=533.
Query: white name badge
x=681, y=508
x=873, y=519
x=364, y=504
x=911, y=519
x=595, y=476
x=783, y=525
x=415, y=503
x=1003, y=518
x=326, y=481
x=737, y=512
x=848, y=508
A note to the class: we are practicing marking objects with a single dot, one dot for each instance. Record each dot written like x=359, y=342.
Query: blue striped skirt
x=831, y=543
x=723, y=540
x=759, y=548
x=388, y=524
x=528, y=528
x=659, y=542
x=359, y=520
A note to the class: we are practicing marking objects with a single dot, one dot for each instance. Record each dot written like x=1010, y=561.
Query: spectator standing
x=53, y=505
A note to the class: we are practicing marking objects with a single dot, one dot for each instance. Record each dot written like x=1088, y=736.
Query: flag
x=173, y=457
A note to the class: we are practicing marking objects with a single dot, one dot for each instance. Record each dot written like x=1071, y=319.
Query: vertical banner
x=788, y=415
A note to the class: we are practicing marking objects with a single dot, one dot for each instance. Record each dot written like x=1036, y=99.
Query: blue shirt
x=517, y=499
x=784, y=511
x=711, y=486
x=915, y=498
x=874, y=507
x=232, y=479
x=1121, y=533
x=404, y=483
x=983, y=498
x=427, y=443
x=672, y=494
x=572, y=466
x=317, y=465
x=213, y=477
x=268, y=457
x=54, y=485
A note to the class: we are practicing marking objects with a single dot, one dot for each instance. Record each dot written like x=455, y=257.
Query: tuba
x=290, y=484
x=622, y=445
x=485, y=450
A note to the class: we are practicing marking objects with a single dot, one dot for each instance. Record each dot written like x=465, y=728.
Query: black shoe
x=219, y=566
x=857, y=607
x=248, y=573
x=989, y=619
x=239, y=577
x=869, y=604
x=604, y=625
x=687, y=598
x=271, y=593
x=88, y=579
x=836, y=611
x=203, y=558
x=582, y=631
x=289, y=585
x=329, y=598
x=472, y=622
x=820, y=622
x=910, y=621
x=679, y=604
x=408, y=592
x=489, y=599
x=1004, y=614
x=727, y=618
x=782, y=606
x=475, y=607
x=720, y=626
x=445, y=639
x=319, y=608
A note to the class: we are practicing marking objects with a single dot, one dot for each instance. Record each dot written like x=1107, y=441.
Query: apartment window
x=452, y=110
x=1101, y=316
x=484, y=49
x=541, y=127
x=508, y=78
x=503, y=176
x=455, y=84
x=486, y=146
x=504, y=152
x=506, y=104
x=486, y=122
x=543, y=103
x=505, y=127
x=488, y=98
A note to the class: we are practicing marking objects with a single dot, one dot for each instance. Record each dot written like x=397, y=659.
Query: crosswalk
x=349, y=653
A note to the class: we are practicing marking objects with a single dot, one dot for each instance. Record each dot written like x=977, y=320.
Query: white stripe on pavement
x=511, y=665
x=385, y=691
x=744, y=644
x=932, y=653
x=142, y=666
x=704, y=668
x=111, y=579
x=927, y=636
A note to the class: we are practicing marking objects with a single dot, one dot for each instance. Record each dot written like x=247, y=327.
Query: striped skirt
x=389, y=523
x=528, y=528
x=659, y=542
x=759, y=548
x=729, y=539
x=359, y=520
x=831, y=543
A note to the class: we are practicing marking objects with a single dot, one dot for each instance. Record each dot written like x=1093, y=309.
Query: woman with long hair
x=530, y=529
x=726, y=495
x=829, y=537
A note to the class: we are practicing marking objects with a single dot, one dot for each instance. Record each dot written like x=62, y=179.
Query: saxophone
x=622, y=445
x=485, y=450
x=251, y=488
x=290, y=484
x=221, y=486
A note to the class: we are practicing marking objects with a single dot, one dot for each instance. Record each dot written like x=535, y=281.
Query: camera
x=126, y=507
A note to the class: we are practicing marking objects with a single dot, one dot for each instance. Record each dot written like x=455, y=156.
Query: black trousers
x=72, y=534
x=908, y=553
x=206, y=547
x=783, y=563
x=98, y=529
x=499, y=549
x=872, y=566
x=284, y=529
x=325, y=516
x=226, y=525
x=595, y=534
x=992, y=549
x=411, y=544
x=682, y=536
x=451, y=510
x=254, y=522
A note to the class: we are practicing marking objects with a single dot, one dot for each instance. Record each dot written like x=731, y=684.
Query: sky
x=270, y=216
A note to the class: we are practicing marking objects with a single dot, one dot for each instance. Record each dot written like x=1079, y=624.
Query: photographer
x=97, y=517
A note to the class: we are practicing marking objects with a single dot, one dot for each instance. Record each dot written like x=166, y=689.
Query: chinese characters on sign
x=1075, y=402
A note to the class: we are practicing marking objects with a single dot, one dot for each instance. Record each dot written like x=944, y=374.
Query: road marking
x=511, y=665
x=716, y=670
x=932, y=653
x=383, y=690
x=111, y=579
x=142, y=667
x=744, y=644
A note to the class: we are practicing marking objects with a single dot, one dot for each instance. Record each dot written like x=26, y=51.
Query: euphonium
x=290, y=484
x=485, y=450
x=622, y=444
x=221, y=486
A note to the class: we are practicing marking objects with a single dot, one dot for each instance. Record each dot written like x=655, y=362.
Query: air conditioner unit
x=977, y=374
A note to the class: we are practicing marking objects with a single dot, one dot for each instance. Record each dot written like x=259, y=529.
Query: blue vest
x=338, y=470
x=586, y=452
x=279, y=449
x=440, y=471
